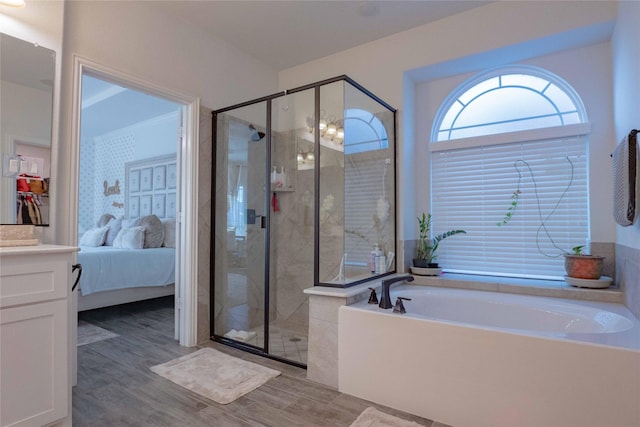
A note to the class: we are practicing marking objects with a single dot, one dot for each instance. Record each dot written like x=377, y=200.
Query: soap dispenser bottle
x=376, y=257
x=372, y=259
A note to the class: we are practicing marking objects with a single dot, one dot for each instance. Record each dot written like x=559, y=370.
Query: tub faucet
x=385, y=299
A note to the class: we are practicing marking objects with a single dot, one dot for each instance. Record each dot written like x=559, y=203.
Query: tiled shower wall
x=204, y=223
x=628, y=276
x=291, y=239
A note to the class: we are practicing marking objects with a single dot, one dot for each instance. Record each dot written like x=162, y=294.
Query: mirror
x=26, y=76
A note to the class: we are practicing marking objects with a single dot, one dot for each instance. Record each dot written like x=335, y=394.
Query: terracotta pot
x=584, y=266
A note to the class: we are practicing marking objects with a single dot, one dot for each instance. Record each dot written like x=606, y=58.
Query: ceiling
x=288, y=33
x=280, y=33
x=107, y=107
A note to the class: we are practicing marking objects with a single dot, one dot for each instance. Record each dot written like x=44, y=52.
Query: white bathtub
x=472, y=358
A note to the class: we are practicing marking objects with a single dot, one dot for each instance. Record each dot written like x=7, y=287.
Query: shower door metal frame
x=264, y=351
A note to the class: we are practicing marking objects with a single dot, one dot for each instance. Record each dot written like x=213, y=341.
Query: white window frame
x=500, y=71
x=582, y=129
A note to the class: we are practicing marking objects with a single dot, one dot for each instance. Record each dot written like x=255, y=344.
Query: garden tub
x=474, y=358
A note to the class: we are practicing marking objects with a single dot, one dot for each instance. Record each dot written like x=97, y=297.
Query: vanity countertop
x=39, y=249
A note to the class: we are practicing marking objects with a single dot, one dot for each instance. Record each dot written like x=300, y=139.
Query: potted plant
x=583, y=266
x=426, y=247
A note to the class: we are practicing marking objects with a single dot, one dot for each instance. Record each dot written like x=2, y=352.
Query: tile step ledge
x=543, y=288
x=327, y=291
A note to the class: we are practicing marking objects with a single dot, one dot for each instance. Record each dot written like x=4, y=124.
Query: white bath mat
x=88, y=333
x=215, y=375
x=371, y=417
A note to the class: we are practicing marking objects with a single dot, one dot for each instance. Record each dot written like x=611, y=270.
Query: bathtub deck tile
x=600, y=295
x=553, y=292
x=534, y=287
x=449, y=280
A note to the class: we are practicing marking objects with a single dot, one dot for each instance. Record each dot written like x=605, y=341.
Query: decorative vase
x=584, y=266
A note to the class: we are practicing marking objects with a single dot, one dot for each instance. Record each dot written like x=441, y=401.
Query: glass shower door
x=291, y=224
x=241, y=209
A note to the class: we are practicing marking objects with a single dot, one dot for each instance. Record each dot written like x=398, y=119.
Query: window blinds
x=472, y=189
x=369, y=210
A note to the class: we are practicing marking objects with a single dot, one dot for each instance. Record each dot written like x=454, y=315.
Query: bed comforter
x=105, y=268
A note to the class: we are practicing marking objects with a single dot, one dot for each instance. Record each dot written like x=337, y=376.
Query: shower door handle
x=251, y=218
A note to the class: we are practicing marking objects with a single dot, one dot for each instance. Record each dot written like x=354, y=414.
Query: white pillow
x=94, y=237
x=113, y=227
x=169, y=225
x=130, y=238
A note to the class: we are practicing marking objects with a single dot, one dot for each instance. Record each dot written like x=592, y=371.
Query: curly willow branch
x=543, y=221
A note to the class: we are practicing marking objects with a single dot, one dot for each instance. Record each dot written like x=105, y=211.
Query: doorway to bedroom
x=128, y=199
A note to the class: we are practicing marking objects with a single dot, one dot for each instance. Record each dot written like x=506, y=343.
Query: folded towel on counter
x=624, y=180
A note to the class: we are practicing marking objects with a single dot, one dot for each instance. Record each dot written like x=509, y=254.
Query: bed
x=113, y=276
x=132, y=257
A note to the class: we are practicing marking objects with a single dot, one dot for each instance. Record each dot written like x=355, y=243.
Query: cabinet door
x=34, y=278
x=33, y=364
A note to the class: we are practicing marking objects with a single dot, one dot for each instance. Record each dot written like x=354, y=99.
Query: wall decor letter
x=109, y=190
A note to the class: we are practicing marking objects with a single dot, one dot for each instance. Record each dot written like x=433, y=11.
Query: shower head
x=255, y=135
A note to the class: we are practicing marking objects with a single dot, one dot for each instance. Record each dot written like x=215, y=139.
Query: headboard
x=150, y=187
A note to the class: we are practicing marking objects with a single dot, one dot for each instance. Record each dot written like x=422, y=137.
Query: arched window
x=508, y=100
x=509, y=165
x=363, y=131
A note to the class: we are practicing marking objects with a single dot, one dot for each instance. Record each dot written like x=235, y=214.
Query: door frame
x=187, y=217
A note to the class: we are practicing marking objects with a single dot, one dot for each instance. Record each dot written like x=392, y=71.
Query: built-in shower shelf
x=282, y=189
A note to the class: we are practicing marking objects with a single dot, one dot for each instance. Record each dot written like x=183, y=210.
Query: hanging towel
x=624, y=180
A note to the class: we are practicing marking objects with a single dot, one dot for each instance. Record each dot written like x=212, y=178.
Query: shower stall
x=304, y=195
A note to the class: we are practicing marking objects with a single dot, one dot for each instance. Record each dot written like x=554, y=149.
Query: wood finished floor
x=116, y=388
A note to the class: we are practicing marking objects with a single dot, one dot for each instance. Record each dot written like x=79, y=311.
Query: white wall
x=141, y=40
x=501, y=31
x=626, y=92
x=580, y=68
x=40, y=22
x=156, y=137
x=137, y=39
x=379, y=65
x=104, y=157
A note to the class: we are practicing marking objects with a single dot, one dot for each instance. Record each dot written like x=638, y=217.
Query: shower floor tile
x=284, y=343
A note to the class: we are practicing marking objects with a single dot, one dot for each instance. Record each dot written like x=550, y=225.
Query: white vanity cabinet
x=35, y=381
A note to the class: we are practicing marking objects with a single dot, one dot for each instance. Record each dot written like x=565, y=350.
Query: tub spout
x=385, y=299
